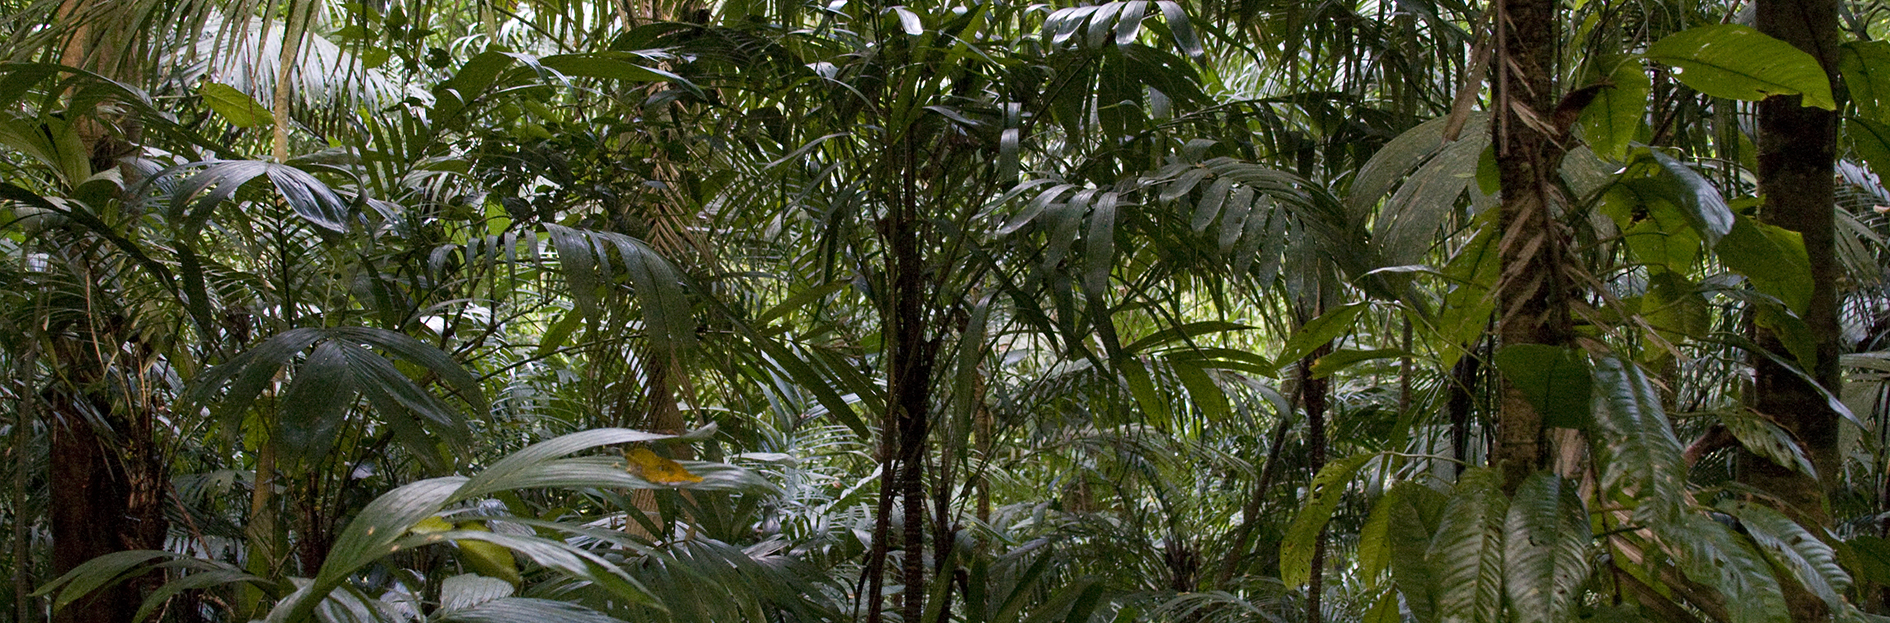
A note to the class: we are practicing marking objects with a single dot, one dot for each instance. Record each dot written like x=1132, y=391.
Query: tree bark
x=1533, y=294
x=1797, y=148
x=25, y=415
x=1312, y=393
x=101, y=499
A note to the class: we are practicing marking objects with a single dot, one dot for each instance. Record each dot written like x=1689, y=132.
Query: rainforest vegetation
x=954, y=311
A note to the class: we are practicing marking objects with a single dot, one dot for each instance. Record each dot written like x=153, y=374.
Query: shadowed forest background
x=974, y=311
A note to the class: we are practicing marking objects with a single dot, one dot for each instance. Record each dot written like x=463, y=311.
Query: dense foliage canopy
x=976, y=311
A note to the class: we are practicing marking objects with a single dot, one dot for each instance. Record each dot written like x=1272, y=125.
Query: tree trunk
x=103, y=486
x=1797, y=146
x=25, y=415
x=1533, y=295
x=1312, y=393
x=1461, y=402
x=910, y=356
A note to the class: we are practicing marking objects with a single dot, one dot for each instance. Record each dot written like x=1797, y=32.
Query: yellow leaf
x=431, y=525
x=648, y=466
x=486, y=558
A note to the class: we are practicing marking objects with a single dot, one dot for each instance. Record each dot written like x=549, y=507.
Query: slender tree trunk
x=1797, y=148
x=1312, y=392
x=910, y=356
x=26, y=413
x=1533, y=295
x=1460, y=403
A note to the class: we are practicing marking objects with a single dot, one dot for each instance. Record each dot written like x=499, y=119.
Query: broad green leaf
x=200, y=580
x=1865, y=66
x=235, y=106
x=1772, y=257
x=1871, y=140
x=1399, y=157
x=1407, y=224
x=1467, y=552
x=1638, y=451
x=1416, y=516
x=1556, y=380
x=1739, y=62
x=1209, y=208
x=314, y=405
x=1467, y=307
x=1712, y=554
x=1202, y=390
x=1385, y=610
x=1153, y=404
x=1320, y=331
x=1322, y=498
x=1869, y=556
x=558, y=331
x=1610, y=122
x=1374, y=539
x=1765, y=438
x=592, y=262
x=1657, y=175
x=97, y=573
x=600, y=65
x=1793, y=547
x=1547, y=545
x=1182, y=29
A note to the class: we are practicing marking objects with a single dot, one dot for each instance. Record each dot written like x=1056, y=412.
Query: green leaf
x=383, y=526
x=558, y=332
x=1385, y=610
x=235, y=106
x=593, y=262
x=1406, y=226
x=1793, y=547
x=1099, y=246
x=1416, y=516
x=1320, y=331
x=1712, y=554
x=1547, y=545
x=1555, y=379
x=1739, y=62
x=1374, y=539
x=1869, y=556
x=1184, y=332
x=1467, y=307
x=1639, y=453
x=98, y=573
x=1662, y=177
x=1871, y=140
x=1153, y=405
x=1610, y=122
x=1865, y=66
x=315, y=404
x=1765, y=438
x=525, y=610
x=1342, y=359
x=1467, y=552
x=1322, y=498
x=1182, y=29
x=467, y=590
x=1772, y=257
